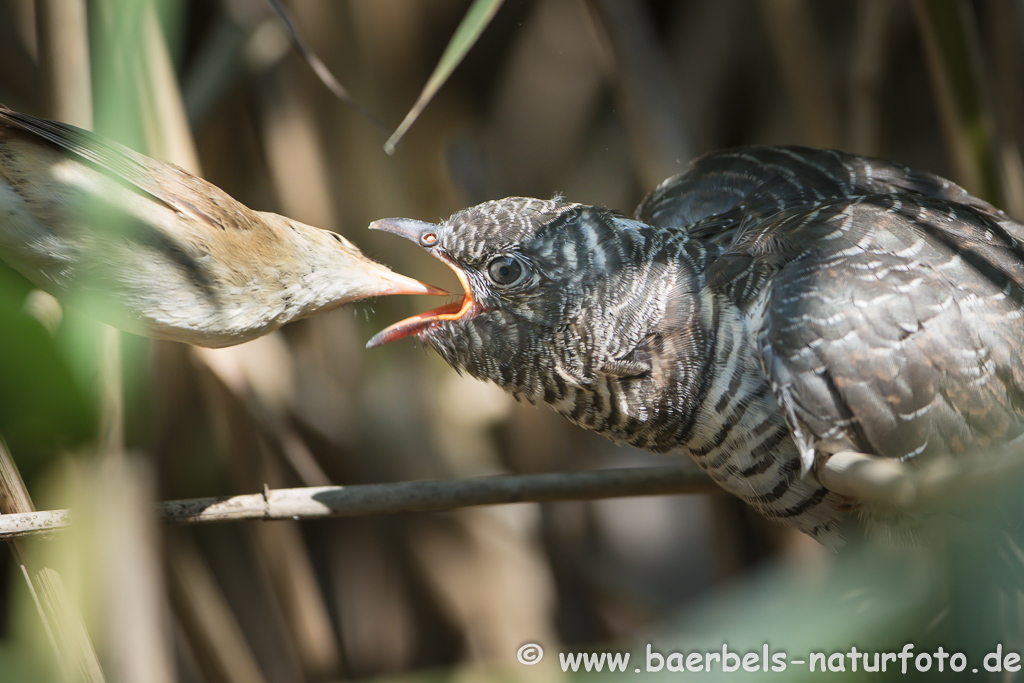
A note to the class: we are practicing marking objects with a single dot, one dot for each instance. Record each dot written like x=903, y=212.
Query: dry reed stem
x=281, y=550
x=942, y=485
x=797, y=48
x=211, y=628
x=75, y=652
x=320, y=502
x=60, y=620
x=126, y=551
x=953, y=58
x=868, y=62
x=64, y=43
x=64, y=49
x=15, y=499
x=652, y=104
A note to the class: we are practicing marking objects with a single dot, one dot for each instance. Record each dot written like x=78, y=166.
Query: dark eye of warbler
x=505, y=270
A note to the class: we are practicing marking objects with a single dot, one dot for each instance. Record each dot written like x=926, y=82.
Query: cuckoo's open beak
x=425, y=235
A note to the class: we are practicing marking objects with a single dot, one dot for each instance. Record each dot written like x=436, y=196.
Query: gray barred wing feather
x=720, y=191
x=886, y=324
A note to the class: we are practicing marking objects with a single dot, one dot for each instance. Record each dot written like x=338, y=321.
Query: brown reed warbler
x=160, y=252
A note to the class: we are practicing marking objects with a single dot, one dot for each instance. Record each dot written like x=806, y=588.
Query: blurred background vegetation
x=596, y=99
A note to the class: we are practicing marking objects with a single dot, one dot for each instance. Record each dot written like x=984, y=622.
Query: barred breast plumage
x=765, y=309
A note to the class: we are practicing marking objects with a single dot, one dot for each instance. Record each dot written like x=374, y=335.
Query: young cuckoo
x=765, y=309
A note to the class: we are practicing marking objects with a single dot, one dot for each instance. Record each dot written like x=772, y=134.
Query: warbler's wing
x=889, y=324
x=164, y=182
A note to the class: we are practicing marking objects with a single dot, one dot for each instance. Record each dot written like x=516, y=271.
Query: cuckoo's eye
x=506, y=270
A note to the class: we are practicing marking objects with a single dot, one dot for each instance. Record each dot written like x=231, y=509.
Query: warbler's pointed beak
x=420, y=232
x=389, y=282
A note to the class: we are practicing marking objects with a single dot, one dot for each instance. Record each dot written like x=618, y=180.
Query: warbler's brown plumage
x=166, y=253
x=765, y=309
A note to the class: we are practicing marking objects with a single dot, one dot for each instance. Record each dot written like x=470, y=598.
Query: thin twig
x=319, y=68
x=414, y=496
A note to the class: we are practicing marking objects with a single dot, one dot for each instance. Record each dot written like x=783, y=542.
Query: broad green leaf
x=43, y=406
